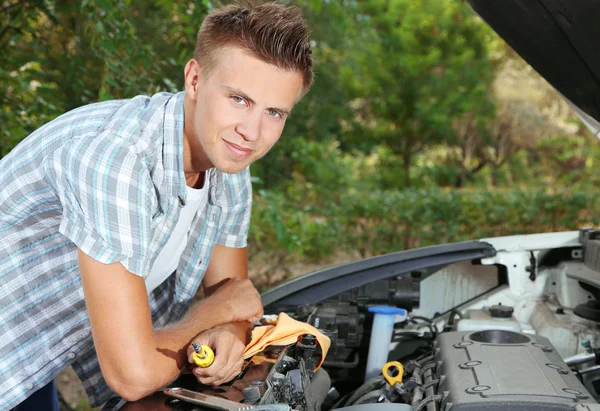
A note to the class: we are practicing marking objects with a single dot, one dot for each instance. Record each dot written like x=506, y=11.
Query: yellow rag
x=285, y=331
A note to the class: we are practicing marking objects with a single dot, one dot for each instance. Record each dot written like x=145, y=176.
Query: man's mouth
x=238, y=151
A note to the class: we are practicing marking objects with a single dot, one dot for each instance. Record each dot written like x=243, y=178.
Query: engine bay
x=519, y=330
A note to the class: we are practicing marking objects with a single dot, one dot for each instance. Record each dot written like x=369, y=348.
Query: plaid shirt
x=106, y=178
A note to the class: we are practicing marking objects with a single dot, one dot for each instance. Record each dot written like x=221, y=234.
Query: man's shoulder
x=121, y=116
x=133, y=124
x=137, y=116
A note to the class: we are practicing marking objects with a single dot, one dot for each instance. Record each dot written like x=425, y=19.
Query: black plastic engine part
x=306, y=348
x=501, y=311
x=589, y=310
x=343, y=324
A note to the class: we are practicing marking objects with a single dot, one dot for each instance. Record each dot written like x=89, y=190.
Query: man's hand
x=229, y=355
x=237, y=300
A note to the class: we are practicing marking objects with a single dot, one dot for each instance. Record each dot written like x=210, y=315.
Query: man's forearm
x=169, y=358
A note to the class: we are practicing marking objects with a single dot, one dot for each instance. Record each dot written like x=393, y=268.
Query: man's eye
x=274, y=113
x=238, y=100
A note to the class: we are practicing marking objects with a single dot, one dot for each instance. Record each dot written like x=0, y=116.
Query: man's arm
x=229, y=340
x=227, y=263
x=136, y=359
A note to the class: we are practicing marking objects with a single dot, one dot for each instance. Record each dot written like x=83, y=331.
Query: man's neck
x=195, y=162
x=195, y=180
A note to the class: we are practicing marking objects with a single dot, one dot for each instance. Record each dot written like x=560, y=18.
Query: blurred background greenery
x=422, y=127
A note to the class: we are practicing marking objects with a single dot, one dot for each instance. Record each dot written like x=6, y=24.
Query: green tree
x=64, y=54
x=421, y=66
x=321, y=114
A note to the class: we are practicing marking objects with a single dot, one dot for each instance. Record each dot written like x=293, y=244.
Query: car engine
x=527, y=339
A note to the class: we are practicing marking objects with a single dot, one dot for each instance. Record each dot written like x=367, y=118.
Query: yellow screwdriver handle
x=389, y=371
x=205, y=357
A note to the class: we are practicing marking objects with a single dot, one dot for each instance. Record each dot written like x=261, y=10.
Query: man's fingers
x=225, y=373
x=258, y=311
x=221, y=376
x=221, y=360
x=233, y=372
x=234, y=365
x=213, y=369
x=205, y=380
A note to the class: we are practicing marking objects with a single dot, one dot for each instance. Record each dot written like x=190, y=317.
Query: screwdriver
x=203, y=355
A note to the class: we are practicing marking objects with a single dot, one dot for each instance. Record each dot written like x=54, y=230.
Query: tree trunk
x=460, y=180
x=406, y=158
x=463, y=170
x=494, y=175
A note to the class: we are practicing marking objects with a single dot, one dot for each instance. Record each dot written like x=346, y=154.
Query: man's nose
x=250, y=126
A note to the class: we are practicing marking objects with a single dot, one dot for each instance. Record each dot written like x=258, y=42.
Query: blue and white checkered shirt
x=106, y=178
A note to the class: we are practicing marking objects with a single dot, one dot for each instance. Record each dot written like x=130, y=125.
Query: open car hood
x=558, y=38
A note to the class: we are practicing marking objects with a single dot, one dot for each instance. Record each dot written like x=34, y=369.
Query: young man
x=112, y=215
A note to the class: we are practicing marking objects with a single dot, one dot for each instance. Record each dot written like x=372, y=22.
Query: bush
x=379, y=222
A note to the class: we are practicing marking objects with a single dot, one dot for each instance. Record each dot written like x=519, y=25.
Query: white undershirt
x=168, y=258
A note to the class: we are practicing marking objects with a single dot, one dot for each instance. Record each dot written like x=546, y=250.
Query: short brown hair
x=273, y=33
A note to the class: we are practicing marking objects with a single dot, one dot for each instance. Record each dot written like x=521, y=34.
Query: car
x=505, y=323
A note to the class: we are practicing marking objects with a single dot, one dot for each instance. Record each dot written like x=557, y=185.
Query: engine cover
x=505, y=370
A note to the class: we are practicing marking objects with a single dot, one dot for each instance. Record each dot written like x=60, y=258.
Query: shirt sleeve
x=236, y=215
x=107, y=196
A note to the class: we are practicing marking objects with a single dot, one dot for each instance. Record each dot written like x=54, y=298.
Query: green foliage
x=322, y=114
x=421, y=67
x=379, y=222
x=395, y=81
x=574, y=157
x=62, y=55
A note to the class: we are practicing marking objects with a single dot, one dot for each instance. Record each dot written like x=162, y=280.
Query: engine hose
x=417, y=376
x=424, y=360
x=427, y=400
x=423, y=377
x=428, y=366
x=373, y=384
x=320, y=384
x=430, y=384
x=418, y=363
x=417, y=396
x=369, y=398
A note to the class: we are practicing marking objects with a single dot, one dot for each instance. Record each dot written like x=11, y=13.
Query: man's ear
x=192, y=78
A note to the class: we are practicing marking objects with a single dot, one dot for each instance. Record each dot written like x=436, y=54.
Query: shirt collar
x=173, y=146
x=173, y=154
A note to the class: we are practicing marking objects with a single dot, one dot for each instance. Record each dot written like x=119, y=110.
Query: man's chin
x=231, y=168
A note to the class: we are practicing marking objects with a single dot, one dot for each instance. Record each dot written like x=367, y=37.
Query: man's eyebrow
x=286, y=112
x=240, y=93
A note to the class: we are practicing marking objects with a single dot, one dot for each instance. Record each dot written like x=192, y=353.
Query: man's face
x=240, y=110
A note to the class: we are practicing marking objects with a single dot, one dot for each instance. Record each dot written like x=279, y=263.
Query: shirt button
x=29, y=386
x=169, y=224
x=71, y=355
